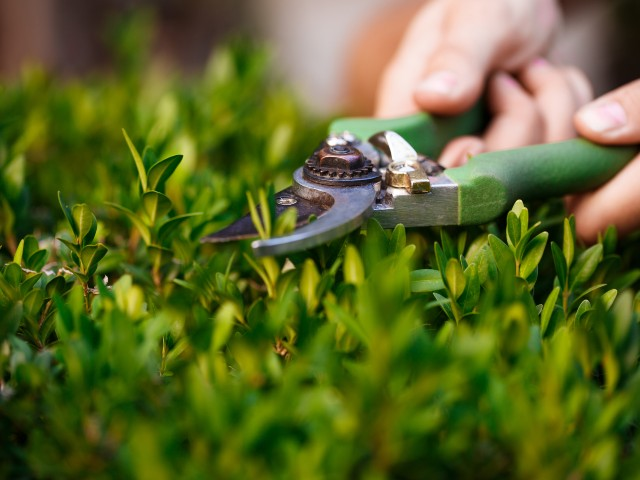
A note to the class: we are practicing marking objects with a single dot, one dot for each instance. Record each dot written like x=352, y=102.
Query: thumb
x=613, y=118
x=454, y=82
x=467, y=51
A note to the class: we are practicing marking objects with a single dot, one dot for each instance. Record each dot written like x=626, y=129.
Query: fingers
x=615, y=203
x=537, y=107
x=516, y=119
x=454, y=74
x=558, y=93
x=515, y=122
x=399, y=80
x=613, y=118
x=459, y=150
x=453, y=45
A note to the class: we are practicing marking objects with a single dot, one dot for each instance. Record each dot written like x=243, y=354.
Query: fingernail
x=507, y=80
x=604, y=117
x=540, y=62
x=442, y=83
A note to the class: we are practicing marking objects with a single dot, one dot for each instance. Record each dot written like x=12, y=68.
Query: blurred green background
x=382, y=355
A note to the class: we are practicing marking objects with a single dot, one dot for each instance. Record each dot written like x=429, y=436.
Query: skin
x=613, y=119
x=454, y=50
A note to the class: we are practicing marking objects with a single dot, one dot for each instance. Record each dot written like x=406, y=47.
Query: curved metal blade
x=350, y=207
x=244, y=228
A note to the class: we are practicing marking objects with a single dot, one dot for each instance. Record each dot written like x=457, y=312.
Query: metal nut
x=408, y=175
x=340, y=157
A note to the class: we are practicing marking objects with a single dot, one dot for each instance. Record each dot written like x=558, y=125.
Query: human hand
x=536, y=105
x=452, y=46
x=613, y=119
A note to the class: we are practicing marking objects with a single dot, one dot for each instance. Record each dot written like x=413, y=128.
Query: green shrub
x=130, y=349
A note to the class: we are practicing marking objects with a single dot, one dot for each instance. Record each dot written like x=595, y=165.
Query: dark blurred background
x=70, y=37
x=331, y=52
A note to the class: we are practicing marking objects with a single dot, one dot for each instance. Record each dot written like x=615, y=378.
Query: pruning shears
x=383, y=167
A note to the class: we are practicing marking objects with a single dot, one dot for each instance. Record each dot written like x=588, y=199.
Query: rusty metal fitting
x=339, y=164
x=408, y=175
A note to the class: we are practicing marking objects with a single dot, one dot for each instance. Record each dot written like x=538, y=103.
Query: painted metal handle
x=491, y=182
x=426, y=133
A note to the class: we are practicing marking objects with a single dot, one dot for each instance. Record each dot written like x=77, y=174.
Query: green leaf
x=353, y=269
x=28, y=284
x=37, y=260
x=505, y=260
x=11, y=318
x=33, y=302
x=445, y=304
x=518, y=208
x=426, y=280
x=30, y=246
x=448, y=246
x=398, y=239
x=159, y=255
x=523, y=215
x=568, y=240
x=17, y=257
x=91, y=256
x=445, y=334
x=169, y=227
x=404, y=258
x=267, y=210
x=10, y=292
x=149, y=158
x=626, y=280
x=472, y=292
x=256, y=217
x=586, y=265
x=375, y=244
x=56, y=286
x=137, y=222
x=609, y=240
x=286, y=222
x=71, y=246
x=339, y=315
x=486, y=264
x=13, y=274
x=223, y=324
x=584, y=307
x=309, y=280
x=86, y=222
x=560, y=264
x=142, y=174
x=524, y=241
x=547, y=310
x=441, y=260
x=513, y=229
x=68, y=215
x=608, y=298
x=160, y=172
x=533, y=254
x=456, y=280
x=587, y=292
x=156, y=205
x=259, y=270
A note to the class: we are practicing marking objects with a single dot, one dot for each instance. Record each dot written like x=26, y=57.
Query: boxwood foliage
x=129, y=349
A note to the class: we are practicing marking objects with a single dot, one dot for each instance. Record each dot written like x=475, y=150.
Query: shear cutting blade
x=349, y=208
x=339, y=210
x=244, y=228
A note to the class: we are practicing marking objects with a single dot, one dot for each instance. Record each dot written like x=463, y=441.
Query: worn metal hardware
x=408, y=175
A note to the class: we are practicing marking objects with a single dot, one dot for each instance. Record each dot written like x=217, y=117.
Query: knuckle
x=630, y=98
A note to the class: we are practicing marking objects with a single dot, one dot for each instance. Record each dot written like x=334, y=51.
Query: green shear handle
x=489, y=183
